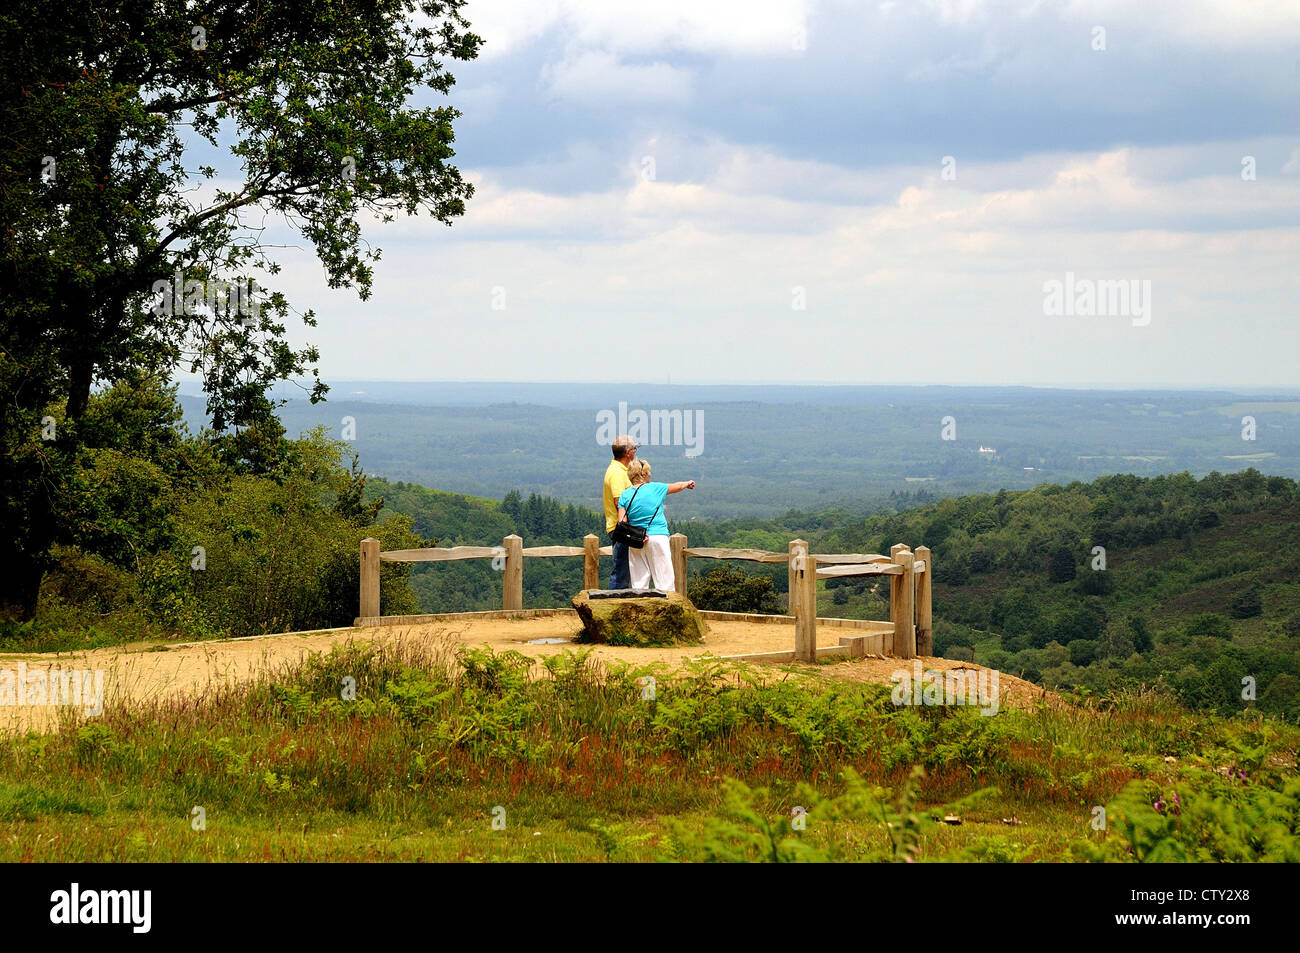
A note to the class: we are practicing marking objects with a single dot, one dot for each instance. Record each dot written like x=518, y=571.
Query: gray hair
x=622, y=445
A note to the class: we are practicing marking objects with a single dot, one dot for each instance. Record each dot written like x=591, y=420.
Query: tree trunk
x=22, y=585
x=80, y=376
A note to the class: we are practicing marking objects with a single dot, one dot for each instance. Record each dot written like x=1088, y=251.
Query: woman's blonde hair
x=638, y=471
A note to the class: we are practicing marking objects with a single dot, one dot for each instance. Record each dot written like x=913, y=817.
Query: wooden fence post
x=905, y=635
x=512, y=580
x=895, y=594
x=677, y=546
x=805, y=620
x=924, y=604
x=369, y=578
x=590, y=561
x=792, y=600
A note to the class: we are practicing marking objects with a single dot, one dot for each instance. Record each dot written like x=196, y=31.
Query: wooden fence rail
x=910, y=626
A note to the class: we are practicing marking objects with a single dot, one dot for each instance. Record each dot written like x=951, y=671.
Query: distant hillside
x=1200, y=590
x=762, y=451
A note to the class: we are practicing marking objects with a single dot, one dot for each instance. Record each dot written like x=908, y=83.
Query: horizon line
x=1085, y=386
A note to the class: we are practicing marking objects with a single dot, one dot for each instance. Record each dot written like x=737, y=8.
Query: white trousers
x=654, y=558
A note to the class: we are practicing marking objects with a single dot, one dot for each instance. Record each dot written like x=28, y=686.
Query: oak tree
x=149, y=146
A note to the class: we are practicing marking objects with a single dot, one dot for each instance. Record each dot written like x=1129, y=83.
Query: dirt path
x=154, y=672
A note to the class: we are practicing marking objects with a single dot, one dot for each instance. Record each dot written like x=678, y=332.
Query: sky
x=797, y=191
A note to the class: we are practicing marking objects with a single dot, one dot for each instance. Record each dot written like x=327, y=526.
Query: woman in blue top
x=642, y=505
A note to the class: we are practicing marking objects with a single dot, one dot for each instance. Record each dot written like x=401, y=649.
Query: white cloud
x=740, y=190
x=957, y=267
x=595, y=77
x=1217, y=23
x=718, y=26
x=706, y=254
x=747, y=28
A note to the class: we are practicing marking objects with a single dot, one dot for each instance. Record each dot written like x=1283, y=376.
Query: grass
x=405, y=751
x=62, y=627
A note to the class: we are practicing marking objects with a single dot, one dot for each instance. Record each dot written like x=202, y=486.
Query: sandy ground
x=166, y=671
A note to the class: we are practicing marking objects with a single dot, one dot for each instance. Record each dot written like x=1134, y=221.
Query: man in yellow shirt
x=616, y=482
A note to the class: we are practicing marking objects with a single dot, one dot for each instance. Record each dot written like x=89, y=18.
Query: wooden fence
x=908, y=633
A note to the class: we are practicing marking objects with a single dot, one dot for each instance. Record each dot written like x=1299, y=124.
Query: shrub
x=726, y=589
x=1208, y=625
x=278, y=554
x=1248, y=603
x=1218, y=820
x=1083, y=652
x=1097, y=583
x=1062, y=564
x=1143, y=641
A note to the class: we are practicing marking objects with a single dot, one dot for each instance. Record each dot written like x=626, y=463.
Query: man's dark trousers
x=621, y=578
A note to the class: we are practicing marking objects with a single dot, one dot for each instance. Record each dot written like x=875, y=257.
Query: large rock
x=648, y=620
